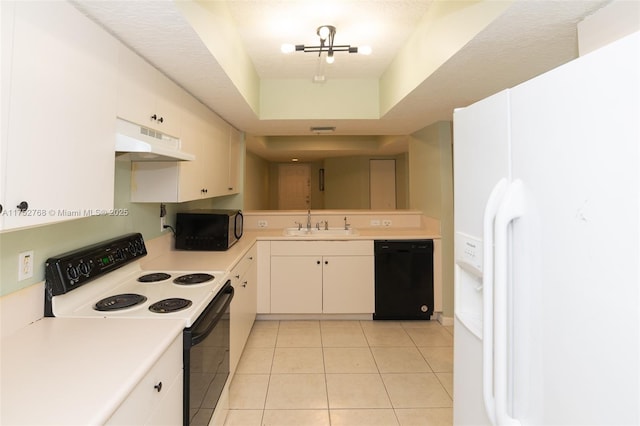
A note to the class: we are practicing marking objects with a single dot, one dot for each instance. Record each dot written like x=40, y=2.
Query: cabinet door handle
x=160, y=120
x=158, y=387
x=23, y=206
x=154, y=117
x=326, y=262
x=318, y=262
x=244, y=284
x=237, y=276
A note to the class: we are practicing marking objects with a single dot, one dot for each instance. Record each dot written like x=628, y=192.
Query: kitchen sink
x=315, y=233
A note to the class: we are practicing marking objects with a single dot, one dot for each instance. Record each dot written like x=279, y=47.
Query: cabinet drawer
x=322, y=248
x=245, y=263
x=144, y=399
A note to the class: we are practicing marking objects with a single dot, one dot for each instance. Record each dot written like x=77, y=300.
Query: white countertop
x=60, y=371
x=187, y=260
x=68, y=371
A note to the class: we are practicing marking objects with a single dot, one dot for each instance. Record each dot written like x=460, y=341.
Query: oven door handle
x=204, y=325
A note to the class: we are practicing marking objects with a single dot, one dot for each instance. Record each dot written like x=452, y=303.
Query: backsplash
x=50, y=240
x=21, y=308
x=359, y=219
x=25, y=306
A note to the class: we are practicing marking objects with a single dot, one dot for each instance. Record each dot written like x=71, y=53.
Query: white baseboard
x=309, y=317
x=445, y=321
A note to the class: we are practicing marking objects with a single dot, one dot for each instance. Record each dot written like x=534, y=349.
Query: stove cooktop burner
x=170, y=305
x=119, y=301
x=193, y=279
x=154, y=277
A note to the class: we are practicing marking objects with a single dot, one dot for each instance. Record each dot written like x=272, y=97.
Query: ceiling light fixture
x=326, y=33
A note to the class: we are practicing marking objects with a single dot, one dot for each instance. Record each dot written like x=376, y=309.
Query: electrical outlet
x=25, y=265
x=163, y=215
x=375, y=222
x=262, y=224
x=386, y=222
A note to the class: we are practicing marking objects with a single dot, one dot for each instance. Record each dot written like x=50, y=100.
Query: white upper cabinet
x=58, y=118
x=218, y=160
x=207, y=136
x=147, y=97
x=235, y=154
x=6, y=40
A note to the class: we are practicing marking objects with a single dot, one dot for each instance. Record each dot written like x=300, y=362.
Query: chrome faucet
x=309, y=219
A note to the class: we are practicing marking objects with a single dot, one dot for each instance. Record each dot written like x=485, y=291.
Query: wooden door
x=294, y=186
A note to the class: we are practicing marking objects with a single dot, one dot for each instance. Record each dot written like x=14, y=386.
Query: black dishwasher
x=404, y=279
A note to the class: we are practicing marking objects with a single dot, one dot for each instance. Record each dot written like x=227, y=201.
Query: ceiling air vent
x=323, y=129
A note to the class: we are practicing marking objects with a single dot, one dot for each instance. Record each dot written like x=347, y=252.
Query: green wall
x=50, y=240
x=256, y=188
x=431, y=191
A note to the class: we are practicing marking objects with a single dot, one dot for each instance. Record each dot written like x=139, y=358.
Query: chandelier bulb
x=323, y=32
x=330, y=58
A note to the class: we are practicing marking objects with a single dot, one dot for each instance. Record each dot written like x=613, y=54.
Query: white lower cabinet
x=264, y=277
x=348, y=285
x=157, y=399
x=334, y=277
x=296, y=284
x=244, y=278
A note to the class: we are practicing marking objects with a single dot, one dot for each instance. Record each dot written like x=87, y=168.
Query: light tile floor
x=308, y=373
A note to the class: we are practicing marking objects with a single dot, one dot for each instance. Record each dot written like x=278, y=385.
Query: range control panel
x=71, y=270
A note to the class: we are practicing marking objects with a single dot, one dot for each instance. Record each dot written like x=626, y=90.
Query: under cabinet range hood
x=140, y=143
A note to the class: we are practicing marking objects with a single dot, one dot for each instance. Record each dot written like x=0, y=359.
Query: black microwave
x=208, y=230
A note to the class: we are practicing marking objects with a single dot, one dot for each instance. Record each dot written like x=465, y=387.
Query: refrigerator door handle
x=511, y=208
x=490, y=211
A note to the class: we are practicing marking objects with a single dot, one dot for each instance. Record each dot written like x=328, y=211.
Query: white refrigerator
x=547, y=247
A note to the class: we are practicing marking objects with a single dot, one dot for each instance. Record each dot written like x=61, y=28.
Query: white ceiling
x=530, y=37
x=384, y=25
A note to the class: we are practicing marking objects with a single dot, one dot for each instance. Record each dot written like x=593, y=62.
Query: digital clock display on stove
x=105, y=260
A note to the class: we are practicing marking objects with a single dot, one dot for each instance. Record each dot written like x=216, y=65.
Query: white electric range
x=106, y=280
